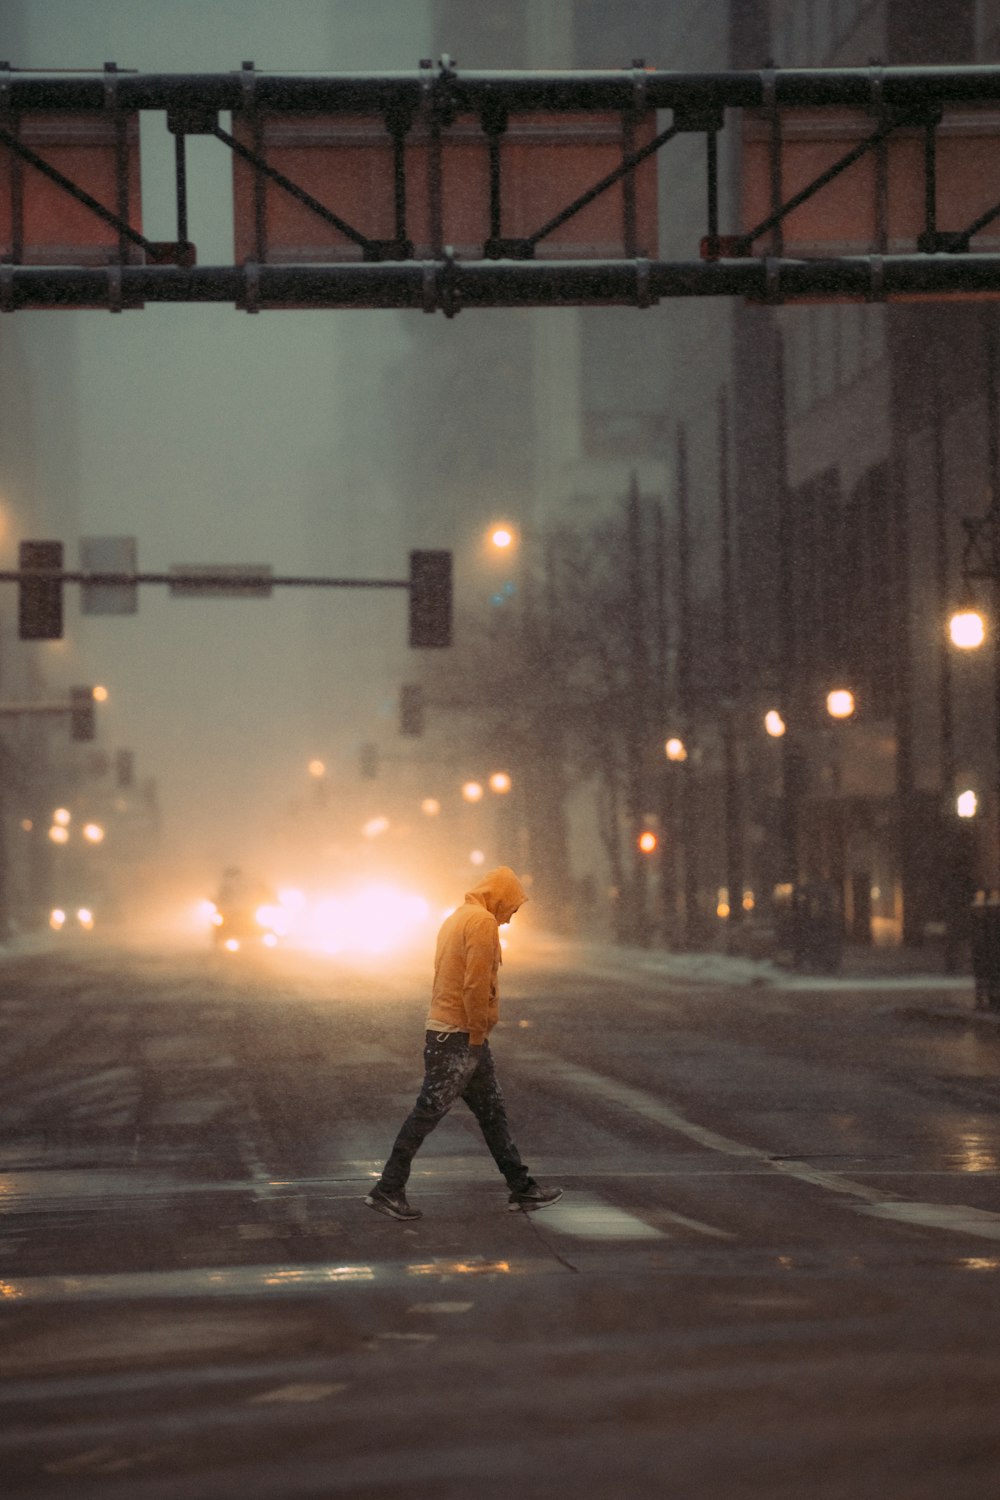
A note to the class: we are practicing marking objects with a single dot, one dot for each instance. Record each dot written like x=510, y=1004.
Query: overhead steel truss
x=507, y=271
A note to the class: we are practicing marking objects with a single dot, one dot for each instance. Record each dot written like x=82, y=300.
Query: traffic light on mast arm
x=40, y=600
x=82, y=717
x=430, y=598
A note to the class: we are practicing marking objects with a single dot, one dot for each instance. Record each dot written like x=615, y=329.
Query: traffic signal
x=369, y=761
x=411, y=709
x=40, y=600
x=82, y=716
x=430, y=598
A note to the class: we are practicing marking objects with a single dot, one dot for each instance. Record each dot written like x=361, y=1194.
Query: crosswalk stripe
x=877, y=1203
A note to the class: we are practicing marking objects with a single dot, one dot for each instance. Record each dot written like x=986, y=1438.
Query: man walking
x=457, y=1059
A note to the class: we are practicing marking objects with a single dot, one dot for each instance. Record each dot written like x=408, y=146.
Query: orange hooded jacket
x=465, y=995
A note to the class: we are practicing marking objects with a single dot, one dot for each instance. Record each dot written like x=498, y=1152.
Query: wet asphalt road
x=775, y=1271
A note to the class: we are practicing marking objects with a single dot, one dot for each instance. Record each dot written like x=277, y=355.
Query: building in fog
x=856, y=437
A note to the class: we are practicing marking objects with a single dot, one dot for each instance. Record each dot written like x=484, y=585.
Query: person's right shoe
x=534, y=1197
x=393, y=1204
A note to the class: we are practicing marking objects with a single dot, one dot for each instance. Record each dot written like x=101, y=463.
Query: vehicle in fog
x=72, y=918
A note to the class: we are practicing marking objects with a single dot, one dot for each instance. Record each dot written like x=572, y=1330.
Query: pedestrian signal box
x=40, y=600
x=430, y=598
x=82, y=716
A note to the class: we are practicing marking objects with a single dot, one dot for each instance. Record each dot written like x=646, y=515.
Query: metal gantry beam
x=501, y=269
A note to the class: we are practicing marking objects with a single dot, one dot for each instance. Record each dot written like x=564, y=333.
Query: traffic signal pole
x=429, y=587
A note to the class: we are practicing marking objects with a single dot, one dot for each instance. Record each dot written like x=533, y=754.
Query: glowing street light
x=59, y=833
x=774, y=724
x=472, y=791
x=967, y=629
x=99, y=694
x=840, y=703
x=317, y=768
x=62, y=816
x=500, y=782
x=967, y=804
x=647, y=841
x=675, y=750
x=93, y=833
x=430, y=807
x=502, y=537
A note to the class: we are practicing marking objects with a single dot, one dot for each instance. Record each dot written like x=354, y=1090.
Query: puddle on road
x=228, y=1281
x=32, y=1190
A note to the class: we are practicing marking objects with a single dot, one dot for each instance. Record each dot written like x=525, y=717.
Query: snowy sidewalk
x=861, y=969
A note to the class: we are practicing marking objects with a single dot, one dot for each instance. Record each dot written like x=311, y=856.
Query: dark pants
x=452, y=1072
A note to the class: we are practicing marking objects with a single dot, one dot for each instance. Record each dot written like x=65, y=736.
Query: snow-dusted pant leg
x=447, y=1065
x=484, y=1097
x=450, y=1073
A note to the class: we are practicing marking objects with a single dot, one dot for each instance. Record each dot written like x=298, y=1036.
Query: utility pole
x=732, y=679
x=638, y=733
x=685, y=695
x=954, y=860
x=665, y=772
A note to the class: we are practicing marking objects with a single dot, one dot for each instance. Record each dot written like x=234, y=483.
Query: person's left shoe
x=534, y=1197
x=393, y=1204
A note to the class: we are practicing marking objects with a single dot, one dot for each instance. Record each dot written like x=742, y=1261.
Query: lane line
x=877, y=1203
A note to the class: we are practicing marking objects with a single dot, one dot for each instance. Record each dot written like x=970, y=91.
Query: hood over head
x=499, y=890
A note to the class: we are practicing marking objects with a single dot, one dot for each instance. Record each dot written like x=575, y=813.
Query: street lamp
x=430, y=807
x=500, y=782
x=840, y=703
x=675, y=750
x=472, y=791
x=967, y=629
x=967, y=804
x=774, y=724
x=502, y=537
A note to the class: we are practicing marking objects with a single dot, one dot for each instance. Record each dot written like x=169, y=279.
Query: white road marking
x=695, y=1224
x=878, y=1203
x=588, y=1217
x=441, y=1307
x=407, y=1338
x=960, y=1220
x=302, y=1391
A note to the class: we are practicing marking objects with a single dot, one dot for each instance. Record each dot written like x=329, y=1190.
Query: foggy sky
x=214, y=436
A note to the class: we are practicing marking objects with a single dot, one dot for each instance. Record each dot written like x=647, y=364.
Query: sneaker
x=534, y=1197
x=393, y=1204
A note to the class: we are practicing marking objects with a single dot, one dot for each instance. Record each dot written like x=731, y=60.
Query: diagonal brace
x=293, y=188
x=745, y=241
x=981, y=556
x=628, y=164
x=77, y=192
